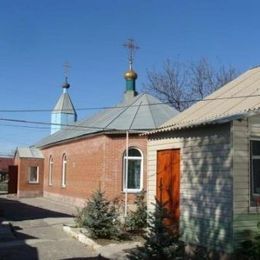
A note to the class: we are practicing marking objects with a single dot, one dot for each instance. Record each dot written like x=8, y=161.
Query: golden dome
x=130, y=74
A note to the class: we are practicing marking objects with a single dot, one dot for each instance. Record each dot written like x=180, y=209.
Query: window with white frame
x=64, y=171
x=255, y=167
x=133, y=171
x=33, y=174
x=50, y=170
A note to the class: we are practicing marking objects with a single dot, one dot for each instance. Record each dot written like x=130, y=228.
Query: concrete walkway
x=37, y=228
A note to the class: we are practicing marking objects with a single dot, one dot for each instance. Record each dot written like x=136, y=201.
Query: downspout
x=126, y=157
x=126, y=170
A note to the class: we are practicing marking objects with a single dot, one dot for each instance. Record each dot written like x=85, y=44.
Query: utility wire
x=26, y=126
x=80, y=127
x=116, y=107
x=48, y=128
x=45, y=123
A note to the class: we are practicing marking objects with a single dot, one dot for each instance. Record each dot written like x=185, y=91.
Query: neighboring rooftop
x=234, y=100
x=140, y=113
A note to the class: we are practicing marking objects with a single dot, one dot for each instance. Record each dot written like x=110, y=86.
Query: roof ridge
x=135, y=114
x=123, y=110
x=71, y=102
x=149, y=107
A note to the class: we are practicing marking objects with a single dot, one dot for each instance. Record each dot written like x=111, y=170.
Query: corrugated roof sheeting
x=238, y=97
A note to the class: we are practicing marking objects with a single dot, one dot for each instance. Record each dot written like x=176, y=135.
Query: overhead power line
x=80, y=127
x=116, y=107
x=55, y=124
x=39, y=127
x=26, y=126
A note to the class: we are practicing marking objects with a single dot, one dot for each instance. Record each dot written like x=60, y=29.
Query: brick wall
x=24, y=187
x=92, y=162
x=4, y=163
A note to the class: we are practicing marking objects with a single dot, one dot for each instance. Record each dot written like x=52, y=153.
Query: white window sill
x=33, y=182
x=132, y=190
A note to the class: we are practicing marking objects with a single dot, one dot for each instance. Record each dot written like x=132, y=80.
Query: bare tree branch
x=180, y=83
x=169, y=85
x=225, y=75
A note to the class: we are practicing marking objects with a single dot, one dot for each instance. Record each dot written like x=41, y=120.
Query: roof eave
x=110, y=132
x=48, y=145
x=177, y=127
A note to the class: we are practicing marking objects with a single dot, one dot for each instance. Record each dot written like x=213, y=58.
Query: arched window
x=133, y=174
x=64, y=171
x=50, y=170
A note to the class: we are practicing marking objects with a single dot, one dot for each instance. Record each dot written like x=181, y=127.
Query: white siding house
x=219, y=170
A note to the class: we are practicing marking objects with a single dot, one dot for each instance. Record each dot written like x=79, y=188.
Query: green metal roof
x=141, y=113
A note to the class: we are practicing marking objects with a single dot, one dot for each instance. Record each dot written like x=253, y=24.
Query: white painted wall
x=245, y=213
x=206, y=182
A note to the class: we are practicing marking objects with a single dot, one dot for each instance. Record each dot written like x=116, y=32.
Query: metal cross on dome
x=66, y=67
x=132, y=48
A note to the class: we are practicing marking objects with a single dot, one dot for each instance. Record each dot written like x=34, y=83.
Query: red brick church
x=78, y=157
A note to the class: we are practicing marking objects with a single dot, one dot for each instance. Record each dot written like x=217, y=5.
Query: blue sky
x=37, y=37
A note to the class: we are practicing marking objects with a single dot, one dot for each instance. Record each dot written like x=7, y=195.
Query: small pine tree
x=80, y=217
x=250, y=248
x=137, y=220
x=100, y=217
x=160, y=242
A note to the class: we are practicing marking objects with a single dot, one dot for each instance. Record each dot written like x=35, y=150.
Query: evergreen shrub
x=160, y=240
x=99, y=217
x=136, y=221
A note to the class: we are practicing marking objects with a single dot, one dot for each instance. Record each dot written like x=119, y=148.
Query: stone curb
x=117, y=251
x=81, y=237
x=110, y=251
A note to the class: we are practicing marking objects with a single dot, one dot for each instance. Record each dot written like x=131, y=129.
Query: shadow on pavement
x=22, y=246
x=14, y=210
x=21, y=252
x=17, y=231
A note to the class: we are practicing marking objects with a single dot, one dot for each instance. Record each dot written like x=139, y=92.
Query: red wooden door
x=12, y=182
x=168, y=182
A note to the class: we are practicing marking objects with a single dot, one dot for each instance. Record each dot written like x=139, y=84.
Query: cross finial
x=132, y=48
x=66, y=70
x=66, y=67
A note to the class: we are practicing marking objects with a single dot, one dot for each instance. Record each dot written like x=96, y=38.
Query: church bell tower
x=64, y=112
